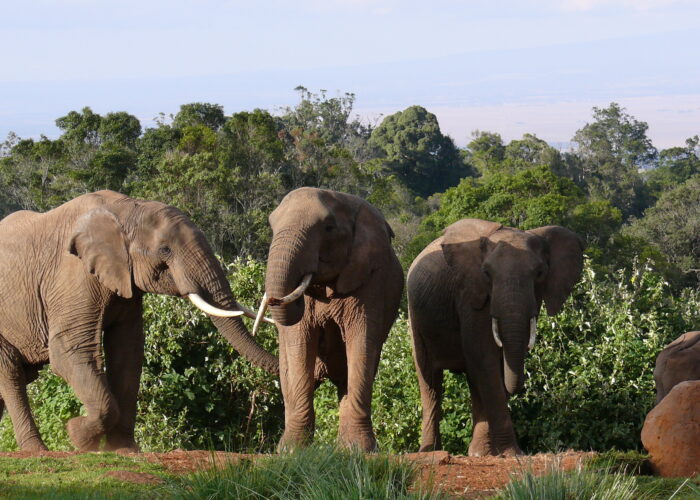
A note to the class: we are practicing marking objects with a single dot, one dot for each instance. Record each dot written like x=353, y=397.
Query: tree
x=613, y=149
x=676, y=165
x=119, y=129
x=672, y=226
x=418, y=153
x=200, y=113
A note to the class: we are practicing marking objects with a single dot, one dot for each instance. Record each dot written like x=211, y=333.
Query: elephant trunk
x=292, y=257
x=211, y=281
x=514, y=334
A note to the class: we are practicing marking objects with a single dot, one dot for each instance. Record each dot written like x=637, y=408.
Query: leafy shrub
x=591, y=372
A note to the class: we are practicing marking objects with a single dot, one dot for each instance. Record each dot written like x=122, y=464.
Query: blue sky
x=502, y=65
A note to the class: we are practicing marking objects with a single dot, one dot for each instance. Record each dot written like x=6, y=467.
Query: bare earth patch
x=465, y=477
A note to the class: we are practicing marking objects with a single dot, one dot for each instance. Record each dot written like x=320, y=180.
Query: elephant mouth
x=287, y=299
x=497, y=336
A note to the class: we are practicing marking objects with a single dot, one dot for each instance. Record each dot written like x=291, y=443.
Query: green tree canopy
x=418, y=153
x=613, y=149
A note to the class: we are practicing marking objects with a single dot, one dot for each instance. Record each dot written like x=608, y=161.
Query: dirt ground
x=465, y=477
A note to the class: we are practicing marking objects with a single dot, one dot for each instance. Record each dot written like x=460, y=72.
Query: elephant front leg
x=13, y=391
x=355, y=426
x=123, y=346
x=298, y=349
x=77, y=359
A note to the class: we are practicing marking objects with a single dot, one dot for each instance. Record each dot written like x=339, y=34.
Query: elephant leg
x=298, y=350
x=430, y=384
x=75, y=356
x=480, y=444
x=123, y=347
x=355, y=426
x=13, y=391
x=485, y=376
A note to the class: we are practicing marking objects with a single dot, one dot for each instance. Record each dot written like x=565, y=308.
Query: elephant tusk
x=496, y=336
x=249, y=313
x=261, y=315
x=533, y=332
x=203, y=305
x=298, y=292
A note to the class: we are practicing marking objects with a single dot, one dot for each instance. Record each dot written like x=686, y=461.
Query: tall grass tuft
x=580, y=484
x=314, y=473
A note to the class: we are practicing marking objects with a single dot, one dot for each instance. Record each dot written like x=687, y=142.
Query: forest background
x=590, y=380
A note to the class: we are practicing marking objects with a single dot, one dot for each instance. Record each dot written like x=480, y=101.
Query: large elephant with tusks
x=333, y=285
x=72, y=282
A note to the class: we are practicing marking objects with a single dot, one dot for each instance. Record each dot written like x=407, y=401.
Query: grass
x=313, y=473
x=74, y=477
x=609, y=476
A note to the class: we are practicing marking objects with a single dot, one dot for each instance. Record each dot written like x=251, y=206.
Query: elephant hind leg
x=82, y=369
x=13, y=394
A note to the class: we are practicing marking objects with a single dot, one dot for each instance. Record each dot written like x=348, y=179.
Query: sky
x=506, y=66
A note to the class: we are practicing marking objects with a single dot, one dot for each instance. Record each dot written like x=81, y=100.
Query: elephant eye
x=165, y=252
x=329, y=228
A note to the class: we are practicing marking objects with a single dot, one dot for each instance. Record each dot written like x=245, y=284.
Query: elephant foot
x=33, y=444
x=428, y=447
x=290, y=441
x=121, y=442
x=363, y=441
x=82, y=436
x=483, y=449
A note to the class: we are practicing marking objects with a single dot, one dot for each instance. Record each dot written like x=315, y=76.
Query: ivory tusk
x=203, y=305
x=249, y=313
x=261, y=315
x=298, y=292
x=533, y=332
x=496, y=336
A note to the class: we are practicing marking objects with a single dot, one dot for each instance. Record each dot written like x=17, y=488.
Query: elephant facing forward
x=474, y=295
x=334, y=285
x=71, y=284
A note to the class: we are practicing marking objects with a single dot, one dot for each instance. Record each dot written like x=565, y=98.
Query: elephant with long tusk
x=474, y=296
x=333, y=286
x=72, y=283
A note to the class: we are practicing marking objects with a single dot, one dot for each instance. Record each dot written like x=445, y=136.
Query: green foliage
x=421, y=156
x=196, y=391
x=590, y=375
x=614, y=147
x=311, y=473
x=200, y=113
x=672, y=226
x=676, y=165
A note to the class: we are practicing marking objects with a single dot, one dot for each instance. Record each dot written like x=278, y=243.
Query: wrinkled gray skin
x=678, y=362
x=337, y=328
x=477, y=271
x=70, y=274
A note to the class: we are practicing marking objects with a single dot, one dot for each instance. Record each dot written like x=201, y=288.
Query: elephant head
x=324, y=238
x=134, y=246
x=512, y=272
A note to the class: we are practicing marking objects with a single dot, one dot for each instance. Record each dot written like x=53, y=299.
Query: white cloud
x=582, y=5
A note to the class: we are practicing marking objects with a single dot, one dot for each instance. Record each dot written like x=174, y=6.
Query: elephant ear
x=464, y=246
x=565, y=264
x=100, y=242
x=371, y=243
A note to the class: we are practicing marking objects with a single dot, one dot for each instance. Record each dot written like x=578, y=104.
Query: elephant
x=333, y=285
x=474, y=296
x=678, y=362
x=72, y=282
